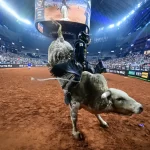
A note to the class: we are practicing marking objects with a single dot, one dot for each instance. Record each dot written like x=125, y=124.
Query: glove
x=84, y=65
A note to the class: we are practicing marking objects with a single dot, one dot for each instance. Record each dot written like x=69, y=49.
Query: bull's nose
x=140, y=109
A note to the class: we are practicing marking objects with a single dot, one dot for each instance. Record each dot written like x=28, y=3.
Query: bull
x=92, y=94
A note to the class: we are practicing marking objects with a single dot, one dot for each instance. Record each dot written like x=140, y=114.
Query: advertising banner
x=138, y=73
x=145, y=75
x=7, y=66
x=134, y=73
x=18, y=66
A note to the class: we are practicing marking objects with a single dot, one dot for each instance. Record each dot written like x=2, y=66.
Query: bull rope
x=46, y=79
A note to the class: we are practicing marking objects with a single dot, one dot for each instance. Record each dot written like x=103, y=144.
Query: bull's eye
x=119, y=99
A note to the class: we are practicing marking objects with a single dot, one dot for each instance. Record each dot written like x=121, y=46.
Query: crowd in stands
x=12, y=58
x=135, y=61
x=132, y=61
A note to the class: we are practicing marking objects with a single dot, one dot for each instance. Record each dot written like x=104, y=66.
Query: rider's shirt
x=80, y=48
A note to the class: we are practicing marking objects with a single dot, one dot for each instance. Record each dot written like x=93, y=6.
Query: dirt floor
x=33, y=116
x=75, y=14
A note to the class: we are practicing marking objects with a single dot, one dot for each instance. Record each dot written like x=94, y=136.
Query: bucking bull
x=92, y=92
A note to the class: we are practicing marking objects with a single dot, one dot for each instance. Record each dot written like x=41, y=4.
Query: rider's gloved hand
x=84, y=65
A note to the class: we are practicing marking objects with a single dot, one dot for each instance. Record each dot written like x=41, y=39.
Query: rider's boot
x=67, y=97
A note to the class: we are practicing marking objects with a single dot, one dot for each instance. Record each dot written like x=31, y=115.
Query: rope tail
x=46, y=79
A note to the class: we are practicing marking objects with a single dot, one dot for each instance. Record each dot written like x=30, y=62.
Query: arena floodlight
x=12, y=12
x=125, y=18
x=37, y=49
x=87, y=52
x=121, y=49
x=25, y=21
x=22, y=46
x=139, y=5
x=118, y=24
x=112, y=51
x=132, y=45
x=132, y=12
x=13, y=43
x=129, y=14
x=99, y=52
x=111, y=26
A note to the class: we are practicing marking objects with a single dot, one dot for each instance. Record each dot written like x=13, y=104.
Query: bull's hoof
x=78, y=136
x=104, y=125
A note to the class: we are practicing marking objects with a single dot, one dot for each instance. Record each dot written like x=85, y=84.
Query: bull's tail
x=59, y=29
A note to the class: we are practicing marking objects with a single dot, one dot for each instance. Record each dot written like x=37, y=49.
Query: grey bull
x=93, y=95
x=92, y=92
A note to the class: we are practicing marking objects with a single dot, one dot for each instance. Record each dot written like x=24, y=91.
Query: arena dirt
x=33, y=116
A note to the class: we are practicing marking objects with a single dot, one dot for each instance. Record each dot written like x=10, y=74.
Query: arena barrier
x=18, y=66
x=143, y=75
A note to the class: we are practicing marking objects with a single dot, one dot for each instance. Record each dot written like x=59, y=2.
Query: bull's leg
x=102, y=122
x=74, y=107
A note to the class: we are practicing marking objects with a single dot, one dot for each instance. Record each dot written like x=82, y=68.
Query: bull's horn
x=105, y=95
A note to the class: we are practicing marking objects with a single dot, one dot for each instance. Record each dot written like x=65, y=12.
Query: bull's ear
x=105, y=95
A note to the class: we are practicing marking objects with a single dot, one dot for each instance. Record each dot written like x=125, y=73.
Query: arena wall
x=143, y=75
x=18, y=66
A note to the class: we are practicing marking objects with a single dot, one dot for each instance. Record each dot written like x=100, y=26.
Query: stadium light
x=118, y=24
x=139, y=5
x=111, y=26
x=22, y=46
x=124, y=18
x=99, y=52
x=112, y=51
x=132, y=45
x=101, y=28
x=13, y=43
x=0, y=38
x=12, y=12
x=121, y=49
x=87, y=52
x=129, y=14
x=132, y=12
x=37, y=49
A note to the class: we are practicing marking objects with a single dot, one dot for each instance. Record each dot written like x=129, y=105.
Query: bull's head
x=121, y=102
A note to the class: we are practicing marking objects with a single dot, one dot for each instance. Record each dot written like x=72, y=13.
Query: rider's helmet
x=85, y=37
